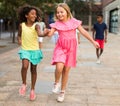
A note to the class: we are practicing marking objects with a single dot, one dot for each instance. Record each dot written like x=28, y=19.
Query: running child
x=64, y=55
x=28, y=40
x=100, y=35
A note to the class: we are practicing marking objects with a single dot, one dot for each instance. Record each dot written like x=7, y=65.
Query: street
x=90, y=84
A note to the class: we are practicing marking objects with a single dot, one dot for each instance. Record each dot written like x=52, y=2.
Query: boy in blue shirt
x=100, y=35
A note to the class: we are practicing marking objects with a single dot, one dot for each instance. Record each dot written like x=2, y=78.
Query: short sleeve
x=94, y=26
x=53, y=25
x=105, y=26
x=69, y=25
x=75, y=23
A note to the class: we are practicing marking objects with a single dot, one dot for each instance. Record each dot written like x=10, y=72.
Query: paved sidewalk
x=6, y=42
x=90, y=84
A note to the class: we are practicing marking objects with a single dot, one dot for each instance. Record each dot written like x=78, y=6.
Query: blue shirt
x=100, y=28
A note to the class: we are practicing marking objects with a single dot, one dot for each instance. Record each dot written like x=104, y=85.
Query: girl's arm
x=51, y=32
x=19, y=34
x=47, y=32
x=40, y=33
x=86, y=34
x=78, y=37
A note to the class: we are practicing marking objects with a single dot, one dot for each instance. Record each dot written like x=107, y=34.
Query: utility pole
x=91, y=2
x=90, y=15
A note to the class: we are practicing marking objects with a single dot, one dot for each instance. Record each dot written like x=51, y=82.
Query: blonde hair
x=67, y=9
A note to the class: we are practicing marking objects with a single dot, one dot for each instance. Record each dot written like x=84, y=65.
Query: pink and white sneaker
x=32, y=95
x=22, y=90
x=56, y=88
x=61, y=96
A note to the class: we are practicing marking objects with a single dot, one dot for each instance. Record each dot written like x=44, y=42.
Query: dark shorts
x=101, y=43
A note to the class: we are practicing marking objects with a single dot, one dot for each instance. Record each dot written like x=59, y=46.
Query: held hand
x=96, y=44
x=93, y=38
x=105, y=40
x=46, y=31
x=78, y=41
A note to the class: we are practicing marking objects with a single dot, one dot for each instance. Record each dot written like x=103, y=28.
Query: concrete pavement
x=90, y=84
x=6, y=42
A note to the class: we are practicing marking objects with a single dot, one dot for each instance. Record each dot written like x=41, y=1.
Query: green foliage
x=8, y=7
x=79, y=6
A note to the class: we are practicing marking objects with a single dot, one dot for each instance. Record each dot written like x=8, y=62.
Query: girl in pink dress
x=64, y=55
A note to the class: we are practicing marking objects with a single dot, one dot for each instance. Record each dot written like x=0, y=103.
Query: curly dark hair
x=24, y=10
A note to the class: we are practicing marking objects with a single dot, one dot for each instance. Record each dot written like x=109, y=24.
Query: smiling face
x=31, y=16
x=61, y=14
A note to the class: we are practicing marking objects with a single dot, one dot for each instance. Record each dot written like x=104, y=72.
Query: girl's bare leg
x=33, y=76
x=58, y=71
x=25, y=65
x=65, y=75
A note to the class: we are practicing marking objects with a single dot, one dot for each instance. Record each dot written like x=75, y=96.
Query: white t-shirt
x=42, y=27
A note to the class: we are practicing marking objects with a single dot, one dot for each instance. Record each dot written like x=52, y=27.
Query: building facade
x=106, y=2
x=111, y=12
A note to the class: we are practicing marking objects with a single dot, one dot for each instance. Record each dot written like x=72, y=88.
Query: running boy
x=98, y=34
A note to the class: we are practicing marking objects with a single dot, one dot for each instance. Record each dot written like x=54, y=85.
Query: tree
x=83, y=8
x=9, y=8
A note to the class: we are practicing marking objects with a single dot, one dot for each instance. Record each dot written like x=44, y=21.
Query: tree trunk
x=14, y=27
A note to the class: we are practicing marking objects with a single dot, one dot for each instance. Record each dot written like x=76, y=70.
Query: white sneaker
x=61, y=97
x=98, y=61
x=56, y=88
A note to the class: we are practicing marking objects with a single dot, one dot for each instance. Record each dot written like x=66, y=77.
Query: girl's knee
x=66, y=72
x=33, y=68
x=24, y=67
x=59, y=67
x=59, y=70
x=33, y=71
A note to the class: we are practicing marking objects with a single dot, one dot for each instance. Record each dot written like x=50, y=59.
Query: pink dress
x=66, y=46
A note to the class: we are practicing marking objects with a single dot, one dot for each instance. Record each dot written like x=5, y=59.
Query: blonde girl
x=64, y=55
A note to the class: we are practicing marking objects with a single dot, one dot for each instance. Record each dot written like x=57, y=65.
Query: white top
x=42, y=25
